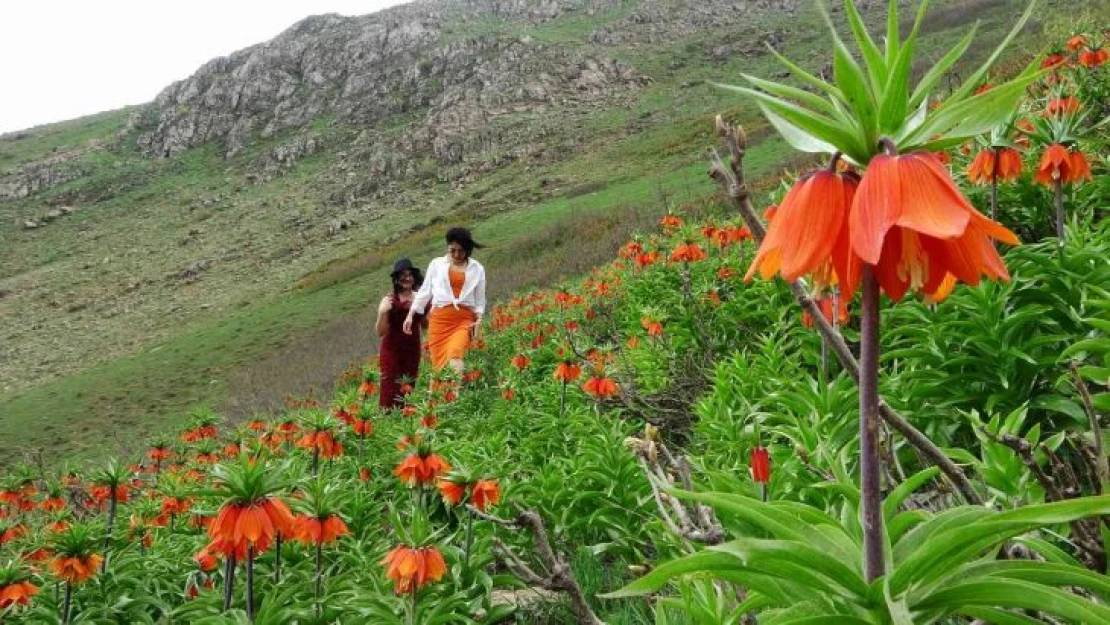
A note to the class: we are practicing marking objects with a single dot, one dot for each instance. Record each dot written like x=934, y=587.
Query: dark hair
x=463, y=238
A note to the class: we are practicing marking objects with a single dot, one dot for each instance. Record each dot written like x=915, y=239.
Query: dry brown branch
x=693, y=521
x=731, y=180
x=558, y=577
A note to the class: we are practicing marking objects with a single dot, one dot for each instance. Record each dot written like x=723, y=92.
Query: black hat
x=405, y=264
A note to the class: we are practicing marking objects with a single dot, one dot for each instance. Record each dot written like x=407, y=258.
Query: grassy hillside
x=107, y=335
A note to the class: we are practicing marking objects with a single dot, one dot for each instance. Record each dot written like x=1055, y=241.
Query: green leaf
x=797, y=138
x=788, y=92
x=872, y=55
x=1059, y=404
x=894, y=500
x=858, y=95
x=936, y=72
x=1007, y=593
x=819, y=126
x=967, y=118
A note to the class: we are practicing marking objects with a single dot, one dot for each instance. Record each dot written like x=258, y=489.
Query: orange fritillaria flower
x=8, y=534
x=76, y=570
x=521, y=362
x=417, y=470
x=205, y=560
x=809, y=232
x=567, y=372
x=413, y=567
x=911, y=222
x=451, y=492
x=671, y=221
x=1002, y=165
x=1093, y=58
x=761, y=465
x=647, y=259
x=53, y=504
x=485, y=493
x=600, y=387
x=1076, y=42
x=653, y=327
x=17, y=593
x=312, y=530
x=1062, y=106
x=1059, y=163
x=240, y=526
x=688, y=252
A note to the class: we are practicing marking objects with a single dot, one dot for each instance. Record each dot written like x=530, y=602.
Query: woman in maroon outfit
x=399, y=354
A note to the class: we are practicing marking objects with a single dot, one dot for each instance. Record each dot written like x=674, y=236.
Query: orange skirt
x=449, y=333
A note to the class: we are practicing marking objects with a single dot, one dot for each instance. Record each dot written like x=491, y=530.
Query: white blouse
x=437, y=287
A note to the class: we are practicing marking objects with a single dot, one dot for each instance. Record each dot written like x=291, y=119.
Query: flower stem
x=994, y=185
x=870, y=463
x=1058, y=199
x=67, y=602
x=250, y=583
x=277, y=558
x=563, y=399
x=319, y=578
x=229, y=581
x=412, y=614
x=469, y=536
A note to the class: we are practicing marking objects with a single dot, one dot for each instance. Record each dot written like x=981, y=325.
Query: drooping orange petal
x=876, y=207
x=932, y=205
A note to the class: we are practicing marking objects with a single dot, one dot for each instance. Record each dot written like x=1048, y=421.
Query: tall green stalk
x=871, y=497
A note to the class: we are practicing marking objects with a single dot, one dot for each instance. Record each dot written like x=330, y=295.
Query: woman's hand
x=406, y=327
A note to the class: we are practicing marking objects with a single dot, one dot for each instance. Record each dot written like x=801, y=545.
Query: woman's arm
x=479, y=302
x=381, y=326
x=422, y=297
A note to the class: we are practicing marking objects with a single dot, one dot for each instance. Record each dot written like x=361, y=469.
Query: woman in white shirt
x=455, y=285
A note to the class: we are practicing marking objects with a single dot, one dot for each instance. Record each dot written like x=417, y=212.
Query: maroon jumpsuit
x=399, y=354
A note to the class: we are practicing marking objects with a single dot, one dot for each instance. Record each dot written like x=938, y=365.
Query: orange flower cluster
x=688, y=252
x=1060, y=163
x=567, y=372
x=322, y=441
x=671, y=221
x=413, y=567
x=76, y=570
x=10, y=533
x=910, y=220
x=417, y=470
x=1062, y=106
x=521, y=362
x=995, y=165
x=17, y=593
x=483, y=493
x=312, y=530
x=238, y=526
x=653, y=327
x=601, y=387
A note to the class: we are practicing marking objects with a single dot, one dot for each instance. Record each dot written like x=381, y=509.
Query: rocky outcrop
x=39, y=175
x=368, y=70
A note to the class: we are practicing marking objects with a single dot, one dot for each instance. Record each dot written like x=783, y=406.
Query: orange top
x=457, y=278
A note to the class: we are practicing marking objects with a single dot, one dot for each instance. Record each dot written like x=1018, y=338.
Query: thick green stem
x=319, y=578
x=67, y=603
x=994, y=185
x=563, y=399
x=250, y=583
x=870, y=462
x=277, y=559
x=1058, y=199
x=412, y=614
x=469, y=536
x=112, y=503
x=229, y=581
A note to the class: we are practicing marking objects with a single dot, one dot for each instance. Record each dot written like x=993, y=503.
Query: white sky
x=61, y=59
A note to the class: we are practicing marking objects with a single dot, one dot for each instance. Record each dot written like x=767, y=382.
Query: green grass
x=39, y=141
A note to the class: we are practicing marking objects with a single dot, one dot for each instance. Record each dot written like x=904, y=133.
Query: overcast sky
x=61, y=59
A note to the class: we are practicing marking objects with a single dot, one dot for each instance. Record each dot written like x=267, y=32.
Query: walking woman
x=399, y=355
x=456, y=288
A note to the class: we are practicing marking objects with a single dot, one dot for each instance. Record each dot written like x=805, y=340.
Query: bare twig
x=558, y=575
x=731, y=180
x=1096, y=430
